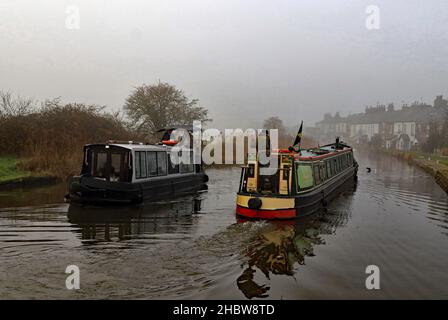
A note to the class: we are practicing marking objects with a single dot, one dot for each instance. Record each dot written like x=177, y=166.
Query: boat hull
x=277, y=207
x=88, y=190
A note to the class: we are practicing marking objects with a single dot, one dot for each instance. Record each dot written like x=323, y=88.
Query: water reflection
x=396, y=219
x=105, y=224
x=282, y=246
x=31, y=196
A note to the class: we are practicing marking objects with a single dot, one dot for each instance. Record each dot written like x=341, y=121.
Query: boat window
x=192, y=162
x=100, y=169
x=268, y=183
x=323, y=172
x=251, y=171
x=286, y=170
x=140, y=164
x=152, y=163
x=336, y=166
x=116, y=160
x=172, y=167
x=305, y=178
x=137, y=165
x=187, y=167
x=316, y=173
x=161, y=163
x=86, y=165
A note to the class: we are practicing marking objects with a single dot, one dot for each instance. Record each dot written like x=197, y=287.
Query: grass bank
x=51, y=139
x=434, y=164
x=12, y=176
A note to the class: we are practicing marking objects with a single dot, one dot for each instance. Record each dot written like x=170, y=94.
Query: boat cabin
x=133, y=162
x=297, y=172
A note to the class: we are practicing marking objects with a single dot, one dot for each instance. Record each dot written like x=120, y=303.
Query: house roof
x=419, y=113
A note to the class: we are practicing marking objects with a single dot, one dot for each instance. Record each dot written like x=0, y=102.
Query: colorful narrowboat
x=303, y=183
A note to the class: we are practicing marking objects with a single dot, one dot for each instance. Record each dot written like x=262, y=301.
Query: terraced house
x=404, y=129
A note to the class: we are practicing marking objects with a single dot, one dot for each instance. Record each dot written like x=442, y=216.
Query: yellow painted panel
x=268, y=203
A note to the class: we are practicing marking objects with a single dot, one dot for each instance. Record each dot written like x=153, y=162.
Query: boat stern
x=265, y=207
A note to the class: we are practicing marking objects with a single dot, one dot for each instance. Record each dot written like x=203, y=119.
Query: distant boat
x=128, y=172
x=304, y=183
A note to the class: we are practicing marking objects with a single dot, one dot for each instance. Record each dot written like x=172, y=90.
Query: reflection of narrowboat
x=134, y=172
x=304, y=182
x=117, y=223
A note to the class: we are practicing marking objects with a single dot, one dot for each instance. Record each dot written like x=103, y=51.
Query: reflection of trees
x=279, y=247
x=121, y=223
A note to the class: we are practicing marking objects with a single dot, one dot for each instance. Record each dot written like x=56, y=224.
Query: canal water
x=395, y=217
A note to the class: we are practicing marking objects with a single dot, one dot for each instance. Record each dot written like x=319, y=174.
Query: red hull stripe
x=266, y=214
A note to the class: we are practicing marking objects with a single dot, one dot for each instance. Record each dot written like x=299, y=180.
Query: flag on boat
x=299, y=135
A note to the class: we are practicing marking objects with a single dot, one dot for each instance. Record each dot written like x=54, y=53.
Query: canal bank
x=11, y=176
x=432, y=164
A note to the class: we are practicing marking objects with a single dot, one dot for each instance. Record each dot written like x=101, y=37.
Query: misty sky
x=245, y=60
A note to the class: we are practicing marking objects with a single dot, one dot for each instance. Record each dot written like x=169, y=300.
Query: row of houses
x=403, y=129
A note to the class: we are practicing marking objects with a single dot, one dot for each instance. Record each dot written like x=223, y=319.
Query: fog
x=245, y=60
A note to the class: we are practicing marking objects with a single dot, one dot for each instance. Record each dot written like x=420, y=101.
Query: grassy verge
x=9, y=171
x=10, y=174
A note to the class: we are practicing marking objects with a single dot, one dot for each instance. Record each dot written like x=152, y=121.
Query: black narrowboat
x=304, y=182
x=128, y=172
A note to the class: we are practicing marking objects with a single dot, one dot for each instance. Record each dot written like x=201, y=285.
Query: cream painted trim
x=268, y=203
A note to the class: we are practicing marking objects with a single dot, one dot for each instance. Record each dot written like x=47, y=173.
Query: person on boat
x=113, y=175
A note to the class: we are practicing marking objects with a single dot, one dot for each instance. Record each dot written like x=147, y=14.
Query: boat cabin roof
x=320, y=151
x=316, y=153
x=132, y=146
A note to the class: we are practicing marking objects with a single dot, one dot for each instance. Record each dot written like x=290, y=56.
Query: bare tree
x=274, y=123
x=14, y=107
x=151, y=107
x=284, y=139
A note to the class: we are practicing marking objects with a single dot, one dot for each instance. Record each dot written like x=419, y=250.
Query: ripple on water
x=194, y=247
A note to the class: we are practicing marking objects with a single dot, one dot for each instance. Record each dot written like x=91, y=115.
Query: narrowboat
x=129, y=172
x=303, y=183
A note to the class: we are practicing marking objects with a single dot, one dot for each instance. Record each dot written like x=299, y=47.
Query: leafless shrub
x=14, y=107
x=50, y=138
